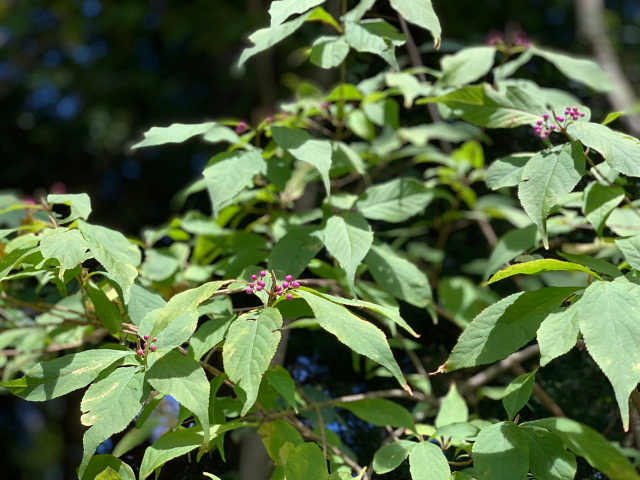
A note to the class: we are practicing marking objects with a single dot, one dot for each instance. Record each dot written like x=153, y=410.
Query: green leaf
x=14, y=259
x=599, y=202
x=357, y=12
x=277, y=433
x=362, y=38
x=208, y=335
x=67, y=246
x=398, y=276
x=466, y=66
x=141, y=302
x=381, y=412
x=390, y=456
x=306, y=462
x=507, y=171
x=558, y=334
x=505, y=326
x=548, y=457
x=293, y=252
x=453, y=409
x=109, y=405
x=518, y=393
x=536, y=267
x=58, y=377
x=348, y=237
x=158, y=265
x=117, y=255
x=107, y=311
x=108, y=474
x=427, y=462
x=280, y=379
x=184, y=379
x=421, y=14
x=266, y=38
x=595, y=264
x=80, y=204
x=226, y=178
x=547, y=177
x=608, y=313
x=307, y=149
x=175, y=133
x=420, y=135
x=410, y=87
x=280, y=10
x=501, y=452
x=359, y=335
x=580, y=70
x=511, y=245
x=623, y=221
x=618, y=149
x=485, y=107
x=329, y=51
x=396, y=200
x=630, y=247
x=99, y=463
x=174, y=444
x=251, y=342
x=588, y=443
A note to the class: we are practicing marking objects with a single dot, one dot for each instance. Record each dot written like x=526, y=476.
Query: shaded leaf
x=396, y=200
x=548, y=458
x=518, y=393
x=107, y=311
x=293, y=252
x=329, y=51
x=390, y=456
x=501, y=452
x=453, y=409
x=380, y=412
x=507, y=171
x=599, y=202
x=467, y=65
x=306, y=462
x=99, y=463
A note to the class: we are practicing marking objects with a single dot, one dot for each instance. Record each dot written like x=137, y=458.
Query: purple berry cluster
x=241, y=128
x=259, y=285
x=499, y=39
x=547, y=126
x=153, y=348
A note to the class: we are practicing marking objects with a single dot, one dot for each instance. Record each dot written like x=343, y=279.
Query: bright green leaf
x=99, y=463
x=275, y=434
x=208, y=335
x=501, y=452
x=599, y=202
x=80, y=204
x=390, y=456
x=558, y=334
x=329, y=51
x=518, y=393
x=427, y=462
x=420, y=13
x=467, y=65
x=281, y=10
x=536, y=267
x=595, y=264
x=507, y=171
x=453, y=409
x=107, y=311
x=580, y=70
x=67, y=246
x=381, y=412
x=548, y=457
x=396, y=200
x=306, y=462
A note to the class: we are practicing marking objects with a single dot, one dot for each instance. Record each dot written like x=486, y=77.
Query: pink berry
x=295, y=284
x=146, y=337
x=278, y=288
x=263, y=273
x=153, y=348
x=252, y=285
x=545, y=116
x=288, y=278
x=560, y=119
x=289, y=296
x=285, y=284
x=261, y=283
x=145, y=345
x=280, y=292
x=249, y=291
x=155, y=339
x=140, y=352
x=241, y=128
x=539, y=122
x=254, y=277
x=259, y=288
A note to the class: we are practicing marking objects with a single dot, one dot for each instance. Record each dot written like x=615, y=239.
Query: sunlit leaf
x=536, y=267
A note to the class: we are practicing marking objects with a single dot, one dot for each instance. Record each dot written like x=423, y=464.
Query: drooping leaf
x=398, y=275
x=80, y=204
x=359, y=335
x=453, y=409
x=547, y=177
x=306, y=462
x=396, y=200
x=630, y=247
x=558, y=334
x=410, y=87
x=518, y=393
x=421, y=14
x=427, y=462
x=107, y=311
x=390, y=456
x=380, y=412
x=591, y=445
x=180, y=132
x=507, y=171
x=505, y=326
x=608, y=313
x=599, y=202
x=329, y=51
x=581, y=70
x=184, y=379
x=362, y=38
x=467, y=65
x=251, y=342
x=226, y=178
x=293, y=252
x=348, y=237
x=501, y=452
x=281, y=10
x=548, y=457
x=543, y=265
x=67, y=246
x=58, y=377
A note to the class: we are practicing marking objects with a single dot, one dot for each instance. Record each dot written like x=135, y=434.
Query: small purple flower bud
x=254, y=277
x=288, y=278
x=560, y=119
x=153, y=348
x=575, y=116
x=280, y=292
x=545, y=116
x=295, y=284
x=261, y=283
x=543, y=137
x=259, y=288
x=252, y=285
x=285, y=284
x=575, y=109
x=289, y=296
x=145, y=345
x=263, y=273
x=241, y=128
x=582, y=114
x=155, y=339
x=539, y=122
x=278, y=288
x=552, y=127
x=146, y=337
x=249, y=291
x=140, y=352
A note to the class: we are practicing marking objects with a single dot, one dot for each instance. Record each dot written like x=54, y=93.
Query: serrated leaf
x=485, y=107
x=466, y=66
x=80, y=204
x=307, y=149
x=208, y=335
x=453, y=409
x=536, y=267
x=588, y=443
x=581, y=70
x=608, y=313
x=507, y=171
x=280, y=10
x=58, y=377
x=427, y=462
x=226, y=178
x=109, y=405
x=115, y=253
x=184, y=379
x=518, y=393
x=620, y=150
x=398, y=276
x=99, y=463
x=359, y=335
x=107, y=311
x=348, y=237
x=558, y=334
x=505, y=326
x=380, y=412
x=141, y=302
x=293, y=252
x=306, y=462
x=67, y=246
x=251, y=342
x=390, y=456
x=599, y=202
x=420, y=13
x=547, y=177
x=396, y=200
x=501, y=452
x=548, y=458
x=329, y=51
x=630, y=247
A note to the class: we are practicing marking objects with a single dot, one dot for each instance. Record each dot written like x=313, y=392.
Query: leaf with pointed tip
x=518, y=393
x=536, y=267
x=359, y=335
x=501, y=452
x=420, y=13
x=548, y=457
x=362, y=38
x=595, y=264
x=630, y=247
x=453, y=409
x=208, y=335
x=306, y=462
x=380, y=412
x=99, y=463
x=507, y=171
x=281, y=10
x=396, y=200
x=329, y=51
x=107, y=311
x=80, y=205
x=466, y=65
x=511, y=245
x=67, y=246
x=599, y=202
x=427, y=462
x=180, y=132
x=390, y=456
x=581, y=70
x=141, y=302
x=251, y=342
x=558, y=334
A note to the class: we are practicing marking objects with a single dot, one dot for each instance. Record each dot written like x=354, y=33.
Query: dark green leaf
x=390, y=456
x=518, y=393
x=380, y=412
x=548, y=457
x=501, y=452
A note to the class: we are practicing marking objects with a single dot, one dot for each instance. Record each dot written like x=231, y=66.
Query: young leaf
x=293, y=252
x=275, y=434
x=548, y=457
x=504, y=327
x=467, y=65
x=558, y=334
x=421, y=14
x=427, y=462
x=58, y=377
x=396, y=200
x=380, y=412
x=390, y=456
x=547, y=177
x=608, y=313
x=453, y=409
x=518, y=393
x=599, y=202
x=306, y=462
x=251, y=342
x=348, y=237
x=99, y=463
x=107, y=311
x=536, y=267
x=184, y=379
x=67, y=246
x=80, y=204
x=595, y=264
x=501, y=452
x=359, y=335
x=590, y=445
